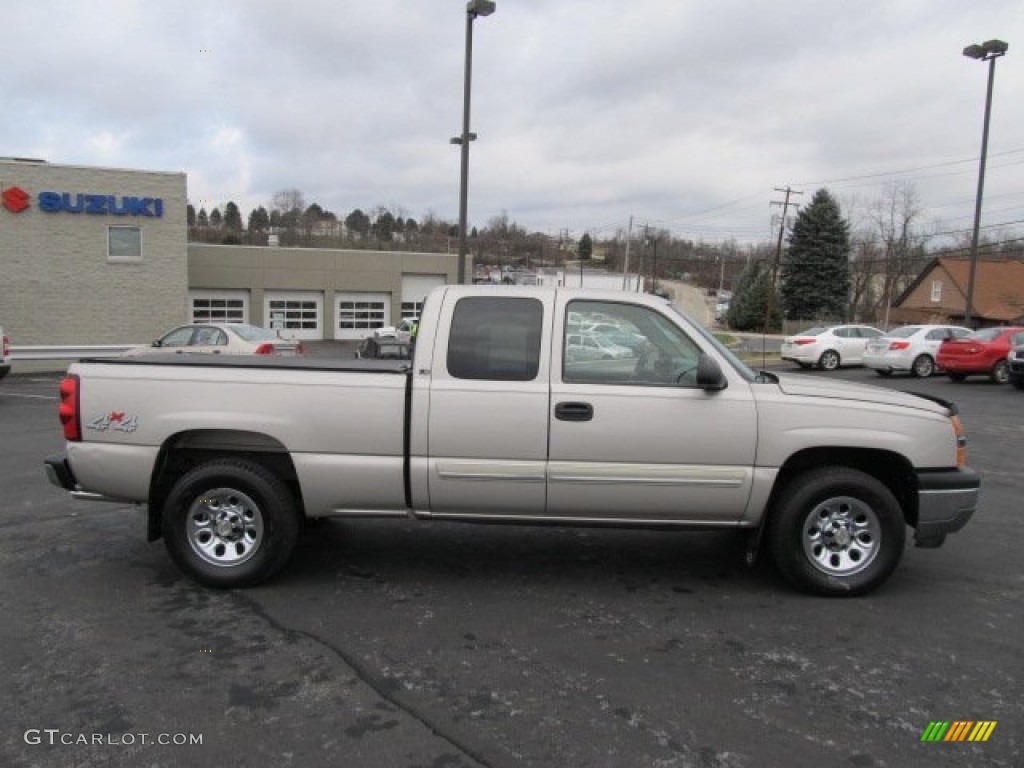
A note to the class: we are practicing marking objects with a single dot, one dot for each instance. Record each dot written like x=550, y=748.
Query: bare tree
x=900, y=254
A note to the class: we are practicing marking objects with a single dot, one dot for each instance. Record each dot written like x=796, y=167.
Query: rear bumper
x=946, y=501
x=59, y=473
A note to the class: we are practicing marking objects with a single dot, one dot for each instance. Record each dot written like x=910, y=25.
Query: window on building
x=213, y=310
x=411, y=310
x=293, y=314
x=936, y=290
x=360, y=315
x=124, y=244
x=495, y=339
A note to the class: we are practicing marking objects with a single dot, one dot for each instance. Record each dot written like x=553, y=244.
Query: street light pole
x=988, y=51
x=474, y=8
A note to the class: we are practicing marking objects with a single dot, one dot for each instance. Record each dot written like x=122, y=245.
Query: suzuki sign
x=17, y=200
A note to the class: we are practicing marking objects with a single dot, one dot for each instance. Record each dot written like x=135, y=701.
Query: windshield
x=813, y=331
x=987, y=334
x=903, y=333
x=253, y=333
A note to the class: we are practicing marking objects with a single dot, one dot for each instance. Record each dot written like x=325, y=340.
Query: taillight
x=69, y=408
x=899, y=345
x=299, y=349
x=961, y=441
x=265, y=349
x=801, y=342
x=7, y=346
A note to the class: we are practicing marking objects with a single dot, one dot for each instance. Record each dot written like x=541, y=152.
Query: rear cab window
x=496, y=338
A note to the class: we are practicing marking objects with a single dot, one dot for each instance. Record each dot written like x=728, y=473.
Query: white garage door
x=414, y=289
x=296, y=314
x=357, y=314
x=210, y=306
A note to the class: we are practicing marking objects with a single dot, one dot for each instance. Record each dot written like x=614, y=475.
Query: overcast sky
x=684, y=114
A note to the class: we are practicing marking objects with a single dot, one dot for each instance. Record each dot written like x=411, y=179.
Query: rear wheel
x=923, y=366
x=836, y=531
x=230, y=523
x=1000, y=373
x=829, y=360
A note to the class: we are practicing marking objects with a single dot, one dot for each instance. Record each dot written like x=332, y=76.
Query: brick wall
x=56, y=283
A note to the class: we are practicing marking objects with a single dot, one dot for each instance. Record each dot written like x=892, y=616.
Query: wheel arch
x=185, y=450
x=890, y=468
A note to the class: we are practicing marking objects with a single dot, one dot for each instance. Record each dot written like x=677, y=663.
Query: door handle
x=574, y=411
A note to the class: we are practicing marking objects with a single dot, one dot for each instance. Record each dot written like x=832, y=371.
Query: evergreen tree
x=203, y=219
x=749, y=306
x=190, y=215
x=816, y=270
x=586, y=247
x=215, y=218
x=232, y=217
x=259, y=220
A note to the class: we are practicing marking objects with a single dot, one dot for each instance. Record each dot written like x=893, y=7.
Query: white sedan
x=221, y=339
x=910, y=348
x=400, y=332
x=829, y=347
x=582, y=346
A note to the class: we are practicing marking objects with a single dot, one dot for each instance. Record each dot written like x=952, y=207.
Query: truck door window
x=495, y=338
x=628, y=345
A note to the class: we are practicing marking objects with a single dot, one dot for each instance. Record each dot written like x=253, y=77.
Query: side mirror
x=709, y=374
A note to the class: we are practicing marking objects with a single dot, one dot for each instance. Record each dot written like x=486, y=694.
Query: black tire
x=230, y=523
x=958, y=377
x=923, y=366
x=829, y=360
x=1000, y=373
x=836, y=531
x=883, y=372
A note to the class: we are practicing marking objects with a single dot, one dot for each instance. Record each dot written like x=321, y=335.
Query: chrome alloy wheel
x=841, y=536
x=225, y=527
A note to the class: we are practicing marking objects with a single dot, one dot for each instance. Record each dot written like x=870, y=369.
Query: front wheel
x=923, y=366
x=829, y=360
x=1000, y=372
x=230, y=523
x=836, y=531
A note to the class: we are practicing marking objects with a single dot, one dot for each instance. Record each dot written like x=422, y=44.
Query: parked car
x=1015, y=363
x=982, y=353
x=5, y=353
x=910, y=349
x=585, y=346
x=619, y=335
x=492, y=424
x=829, y=347
x=221, y=339
x=372, y=348
x=402, y=331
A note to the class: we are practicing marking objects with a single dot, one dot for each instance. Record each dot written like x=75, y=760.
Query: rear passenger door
x=488, y=407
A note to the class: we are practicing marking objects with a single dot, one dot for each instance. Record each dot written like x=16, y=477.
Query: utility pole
x=778, y=252
x=625, y=263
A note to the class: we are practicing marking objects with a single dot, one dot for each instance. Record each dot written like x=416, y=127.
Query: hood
x=837, y=389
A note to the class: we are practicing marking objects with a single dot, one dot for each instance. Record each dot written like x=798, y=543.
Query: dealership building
x=100, y=256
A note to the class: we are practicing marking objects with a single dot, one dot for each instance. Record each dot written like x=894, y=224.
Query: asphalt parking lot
x=402, y=644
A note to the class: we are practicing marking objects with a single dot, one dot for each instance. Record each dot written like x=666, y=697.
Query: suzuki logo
x=15, y=199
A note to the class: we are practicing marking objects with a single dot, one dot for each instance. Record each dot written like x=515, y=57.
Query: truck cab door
x=487, y=405
x=635, y=438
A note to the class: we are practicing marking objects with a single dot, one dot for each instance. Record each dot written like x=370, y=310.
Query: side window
x=961, y=333
x=629, y=345
x=496, y=339
x=179, y=337
x=868, y=333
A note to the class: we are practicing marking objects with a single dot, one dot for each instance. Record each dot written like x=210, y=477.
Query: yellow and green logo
x=958, y=730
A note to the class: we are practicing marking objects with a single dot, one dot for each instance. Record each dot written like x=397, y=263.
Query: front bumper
x=946, y=501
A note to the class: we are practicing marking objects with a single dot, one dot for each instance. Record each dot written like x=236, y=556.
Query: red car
x=983, y=352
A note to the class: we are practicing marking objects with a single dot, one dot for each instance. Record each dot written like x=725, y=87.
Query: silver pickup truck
x=494, y=420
